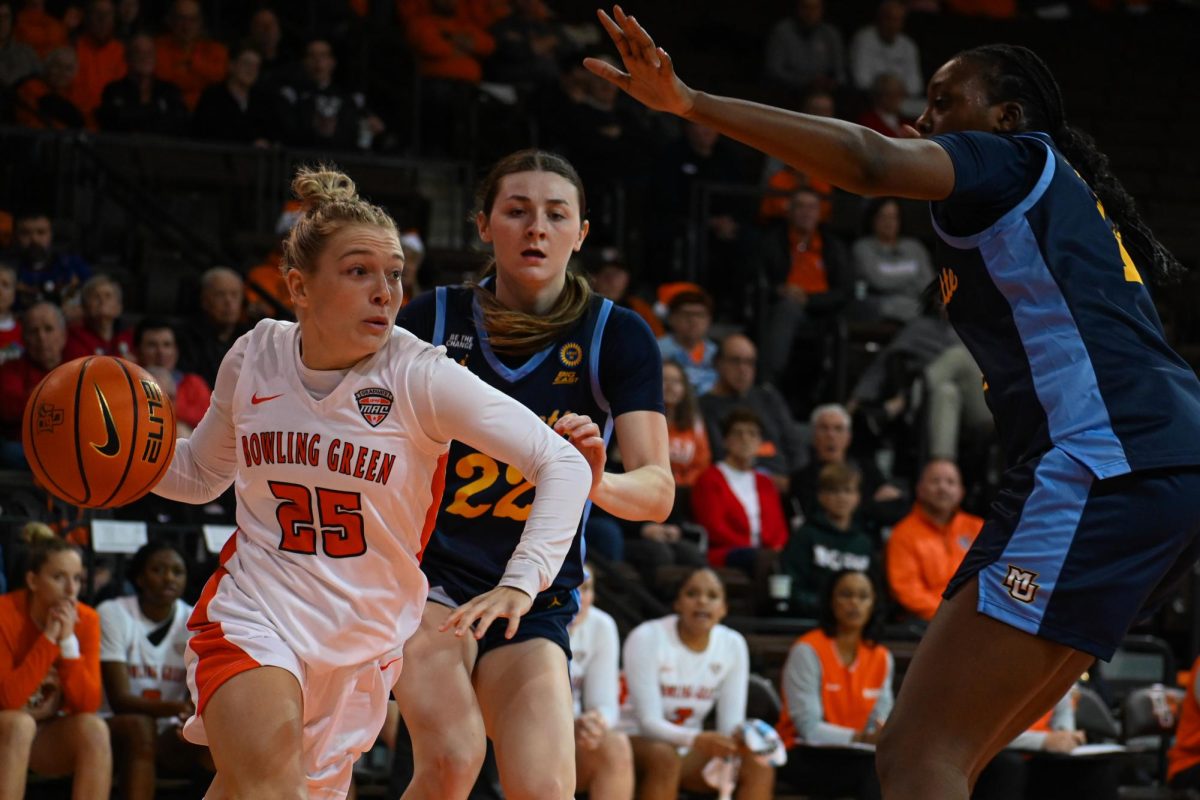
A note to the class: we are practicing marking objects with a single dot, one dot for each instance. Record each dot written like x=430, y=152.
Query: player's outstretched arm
x=850, y=156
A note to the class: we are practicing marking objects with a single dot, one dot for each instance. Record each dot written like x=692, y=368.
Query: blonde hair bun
x=323, y=185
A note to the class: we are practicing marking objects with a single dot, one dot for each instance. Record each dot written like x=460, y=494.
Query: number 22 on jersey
x=488, y=472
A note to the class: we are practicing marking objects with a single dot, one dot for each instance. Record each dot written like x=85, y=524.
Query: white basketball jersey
x=689, y=682
x=334, y=497
x=156, y=671
x=595, y=650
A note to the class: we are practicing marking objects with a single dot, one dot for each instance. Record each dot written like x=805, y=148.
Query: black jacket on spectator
x=200, y=351
x=775, y=259
x=221, y=117
x=872, y=514
x=121, y=109
x=314, y=117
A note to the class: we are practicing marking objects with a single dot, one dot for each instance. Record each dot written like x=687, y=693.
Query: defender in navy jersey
x=589, y=369
x=609, y=352
x=1042, y=260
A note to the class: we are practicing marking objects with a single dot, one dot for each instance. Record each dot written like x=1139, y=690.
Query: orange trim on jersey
x=437, y=489
x=218, y=658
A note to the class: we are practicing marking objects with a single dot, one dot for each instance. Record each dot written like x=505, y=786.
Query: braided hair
x=1016, y=74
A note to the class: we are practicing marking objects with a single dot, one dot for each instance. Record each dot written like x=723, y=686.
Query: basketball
x=98, y=432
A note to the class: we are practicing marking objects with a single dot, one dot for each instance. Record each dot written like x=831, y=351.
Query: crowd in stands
x=859, y=496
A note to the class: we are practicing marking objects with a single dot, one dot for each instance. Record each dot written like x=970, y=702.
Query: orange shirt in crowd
x=99, y=65
x=690, y=453
x=923, y=556
x=26, y=657
x=29, y=94
x=808, y=264
x=192, y=69
x=41, y=31
x=483, y=13
x=438, y=56
x=848, y=693
x=1185, y=753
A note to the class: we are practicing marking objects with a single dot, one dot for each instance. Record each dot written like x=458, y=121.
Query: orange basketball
x=98, y=432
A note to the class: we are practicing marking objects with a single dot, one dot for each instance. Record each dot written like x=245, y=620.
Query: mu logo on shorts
x=374, y=404
x=1020, y=585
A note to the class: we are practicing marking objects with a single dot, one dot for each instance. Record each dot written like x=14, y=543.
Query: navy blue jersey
x=1042, y=292
x=608, y=364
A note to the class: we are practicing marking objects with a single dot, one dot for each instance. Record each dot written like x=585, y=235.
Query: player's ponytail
x=331, y=202
x=1016, y=74
x=515, y=332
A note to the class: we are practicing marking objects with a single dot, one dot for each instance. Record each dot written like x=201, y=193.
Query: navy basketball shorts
x=1074, y=559
x=548, y=618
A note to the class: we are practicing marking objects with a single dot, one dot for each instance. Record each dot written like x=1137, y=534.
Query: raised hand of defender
x=480, y=612
x=650, y=75
x=585, y=436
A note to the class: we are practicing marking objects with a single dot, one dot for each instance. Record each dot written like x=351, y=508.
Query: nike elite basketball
x=98, y=432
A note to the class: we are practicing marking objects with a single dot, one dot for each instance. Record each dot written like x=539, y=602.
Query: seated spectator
x=810, y=278
x=664, y=543
x=17, y=59
x=828, y=542
x=739, y=507
x=45, y=335
x=140, y=102
x=689, y=317
x=50, y=660
x=837, y=690
x=47, y=101
x=896, y=269
x=265, y=38
x=783, y=180
x=317, y=112
x=603, y=759
x=236, y=110
x=186, y=57
x=101, y=57
x=528, y=47
x=1183, y=759
x=782, y=451
x=677, y=669
x=927, y=546
x=142, y=639
x=613, y=280
x=11, y=346
x=216, y=327
x=883, y=48
x=447, y=44
x=155, y=346
x=688, y=441
x=699, y=161
x=449, y=49
x=39, y=29
x=886, y=114
x=885, y=502
x=957, y=406
x=804, y=52
x=100, y=332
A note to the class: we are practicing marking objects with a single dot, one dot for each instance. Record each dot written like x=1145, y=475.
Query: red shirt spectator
x=156, y=347
x=45, y=333
x=738, y=507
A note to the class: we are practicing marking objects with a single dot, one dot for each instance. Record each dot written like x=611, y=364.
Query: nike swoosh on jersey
x=255, y=399
x=113, y=443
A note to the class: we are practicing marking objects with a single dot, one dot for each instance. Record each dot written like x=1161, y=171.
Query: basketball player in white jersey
x=603, y=759
x=142, y=640
x=333, y=431
x=676, y=669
